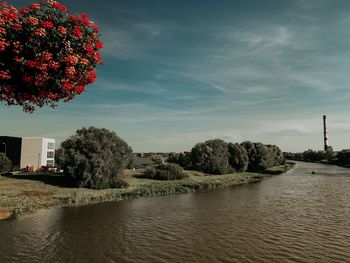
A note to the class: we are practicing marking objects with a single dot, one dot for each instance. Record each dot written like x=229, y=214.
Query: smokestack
x=325, y=133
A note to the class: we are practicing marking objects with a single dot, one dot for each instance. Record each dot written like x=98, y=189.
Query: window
x=50, y=155
x=51, y=146
x=50, y=163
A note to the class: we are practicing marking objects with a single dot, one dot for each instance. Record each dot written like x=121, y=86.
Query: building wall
x=48, y=152
x=38, y=152
x=13, y=149
x=32, y=150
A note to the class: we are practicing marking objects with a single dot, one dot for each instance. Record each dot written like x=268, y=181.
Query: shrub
x=182, y=159
x=211, y=157
x=165, y=172
x=95, y=158
x=262, y=157
x=5, y=163
x=238, y=157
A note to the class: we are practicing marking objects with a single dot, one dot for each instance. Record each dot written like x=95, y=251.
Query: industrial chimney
x=325, y=133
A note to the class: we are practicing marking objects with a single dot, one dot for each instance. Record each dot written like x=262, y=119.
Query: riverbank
x=22, y=194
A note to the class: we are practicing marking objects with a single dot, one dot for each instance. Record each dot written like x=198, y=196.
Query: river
x=294, y=217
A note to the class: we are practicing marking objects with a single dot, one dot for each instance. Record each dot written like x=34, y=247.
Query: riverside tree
x=211, y=157
x=95, y=158
x=238, y=157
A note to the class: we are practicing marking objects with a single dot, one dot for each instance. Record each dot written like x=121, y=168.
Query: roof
x=143, y=161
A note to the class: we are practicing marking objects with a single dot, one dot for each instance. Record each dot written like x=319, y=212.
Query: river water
x=295, y=217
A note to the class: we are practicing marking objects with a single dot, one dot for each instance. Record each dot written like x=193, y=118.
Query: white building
x=37, y=152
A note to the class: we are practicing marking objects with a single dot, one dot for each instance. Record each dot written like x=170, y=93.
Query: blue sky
x=178, y=72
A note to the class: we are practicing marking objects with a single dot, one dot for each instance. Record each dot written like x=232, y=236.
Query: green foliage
x=238, y=157
x=262, y=157
x=95, y=158
x=5, y=163
x=211, y=157
x=182, y=159
x=343, y=158
x=312, y=156
x=165, y=172
x=59, y=158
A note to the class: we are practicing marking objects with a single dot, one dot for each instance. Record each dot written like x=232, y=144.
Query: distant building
x=143, y=162
x=24, y=152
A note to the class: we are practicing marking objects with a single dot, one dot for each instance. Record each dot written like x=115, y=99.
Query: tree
x=46, y=54
x=59, y=158
x=211, y=157
x=238, y=157
x=262, y=156
x=182, y=159
x=5, y=163
x=95, y=158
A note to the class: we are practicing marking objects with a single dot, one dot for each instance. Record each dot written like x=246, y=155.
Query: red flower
x=24, y=11
x=47, y=24
x=75, y=19
x=62, y=30
x=80, y=89
x=35, y=6
x=71, y=60
x=67, y=86
x=48, y=67
x=41, y=32
x=99, y=44
x=77, y=32
x=32, y=64
x=90, y=50
x=33, y=20
x=17, y=27
x=59, y=6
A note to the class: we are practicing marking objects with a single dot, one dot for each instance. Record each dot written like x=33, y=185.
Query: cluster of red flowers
x=46, y=55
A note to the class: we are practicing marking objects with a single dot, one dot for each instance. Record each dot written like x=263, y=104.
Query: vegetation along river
x=294, y=217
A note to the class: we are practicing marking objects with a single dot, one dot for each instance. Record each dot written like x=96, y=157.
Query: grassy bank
x=26, y=193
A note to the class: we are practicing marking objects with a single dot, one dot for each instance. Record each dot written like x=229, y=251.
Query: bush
x=211, y=157
x=238, y=157
x=95, y=158
x=165, y=172
x=262, y=157
x=5, y=163
x=182, y=159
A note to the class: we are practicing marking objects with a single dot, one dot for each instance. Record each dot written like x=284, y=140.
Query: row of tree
x=341, y=158
x=219, y=157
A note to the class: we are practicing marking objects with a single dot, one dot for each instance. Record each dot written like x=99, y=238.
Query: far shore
x=22, y=194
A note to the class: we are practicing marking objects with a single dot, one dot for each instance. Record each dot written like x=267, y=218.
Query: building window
x=50, y=154
x=50, y=163
x=51, y=146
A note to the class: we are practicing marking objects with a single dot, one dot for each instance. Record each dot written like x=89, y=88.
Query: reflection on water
x=296, y=217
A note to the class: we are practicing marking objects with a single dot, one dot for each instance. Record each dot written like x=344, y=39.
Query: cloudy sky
x=182, y=71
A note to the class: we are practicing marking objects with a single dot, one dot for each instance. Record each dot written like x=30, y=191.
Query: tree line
x=341, y=158
x=219, y=157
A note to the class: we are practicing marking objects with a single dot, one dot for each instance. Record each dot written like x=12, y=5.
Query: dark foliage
x=238, y=159
x=5, y=163
x=169, y=171
x=95, y=158
x=312, y=156
x=262, y=157
x=211, y=157
x=182, y=159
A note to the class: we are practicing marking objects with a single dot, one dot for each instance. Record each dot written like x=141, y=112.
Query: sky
x=178, y=72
